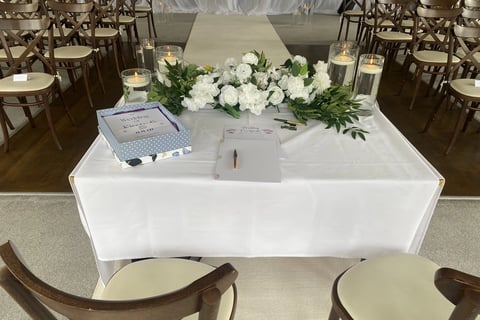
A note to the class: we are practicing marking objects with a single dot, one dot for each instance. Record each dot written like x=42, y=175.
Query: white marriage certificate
x=139, y=124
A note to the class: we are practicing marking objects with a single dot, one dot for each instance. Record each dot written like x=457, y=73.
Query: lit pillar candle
x=342, y=58
x=171, y=54
x=136, y=81
x=342, y=68
x=149, y=54
x=367, y=82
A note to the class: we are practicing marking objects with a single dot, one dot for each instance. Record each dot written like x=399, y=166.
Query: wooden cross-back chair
x=145, y=12
x=37, y=88
x=76, y=45
x=202, y=298
x=392, y=27
x=121, y=14
x=429, y=48
x=404, y=286
x=107, y=35
x=466, y=45
x=352, y=13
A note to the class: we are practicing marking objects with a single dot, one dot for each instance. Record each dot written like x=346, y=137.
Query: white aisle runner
x=215, y=38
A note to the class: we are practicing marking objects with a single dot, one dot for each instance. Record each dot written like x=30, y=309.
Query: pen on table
x=291, y=122
x=235, y=159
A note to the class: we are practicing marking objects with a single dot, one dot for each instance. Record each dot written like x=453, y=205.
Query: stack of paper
x=249, y=154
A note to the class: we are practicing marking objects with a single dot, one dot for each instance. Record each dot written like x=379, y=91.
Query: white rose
x=300, y=59
x=276, y=95
x=228, y=95
x=243, y=72
x=250, y=58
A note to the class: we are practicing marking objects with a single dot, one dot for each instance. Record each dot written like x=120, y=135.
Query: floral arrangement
x=254, y=85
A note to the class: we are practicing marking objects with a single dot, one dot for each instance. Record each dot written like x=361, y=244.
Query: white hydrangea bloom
x=250, y=98
x=321, y=66
x=321, y=82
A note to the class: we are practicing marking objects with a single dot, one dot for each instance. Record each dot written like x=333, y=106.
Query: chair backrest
x=391, y=14
x=434, y=27
x=28, y=33
x=462, y=289
x=202, y=295
x=73, y=19
x=466, y=40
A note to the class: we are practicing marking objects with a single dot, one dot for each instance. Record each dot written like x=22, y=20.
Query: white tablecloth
x=338, y=196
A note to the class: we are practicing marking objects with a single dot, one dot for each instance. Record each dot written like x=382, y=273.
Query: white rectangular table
x=338, y=197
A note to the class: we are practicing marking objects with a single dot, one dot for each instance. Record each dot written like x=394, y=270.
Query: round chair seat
x=393, y=36
x=103, y=33
x=394, y=287
x=121, y=19
x=435, y=57
x=353, y=13
x=16, y=52
x=465, y=87
x=71, y=52
x=143, y=9
x=36, y=81
x=151, y=277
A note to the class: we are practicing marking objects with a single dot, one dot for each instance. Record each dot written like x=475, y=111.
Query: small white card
x=20, y=77
x=477, y=83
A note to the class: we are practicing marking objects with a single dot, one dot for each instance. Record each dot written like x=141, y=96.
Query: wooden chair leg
x=434, y=113
x=418, y=81
x=458, y=125
x=150, y=14
x=7, y=119
x=99, y=72
x=86, y=72
x=48, y=113
x=3, y=123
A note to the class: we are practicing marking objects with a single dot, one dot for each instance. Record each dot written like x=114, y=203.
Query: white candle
x=342, y=69
x=136, y=81
x=149, y=55
x=369, y=79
